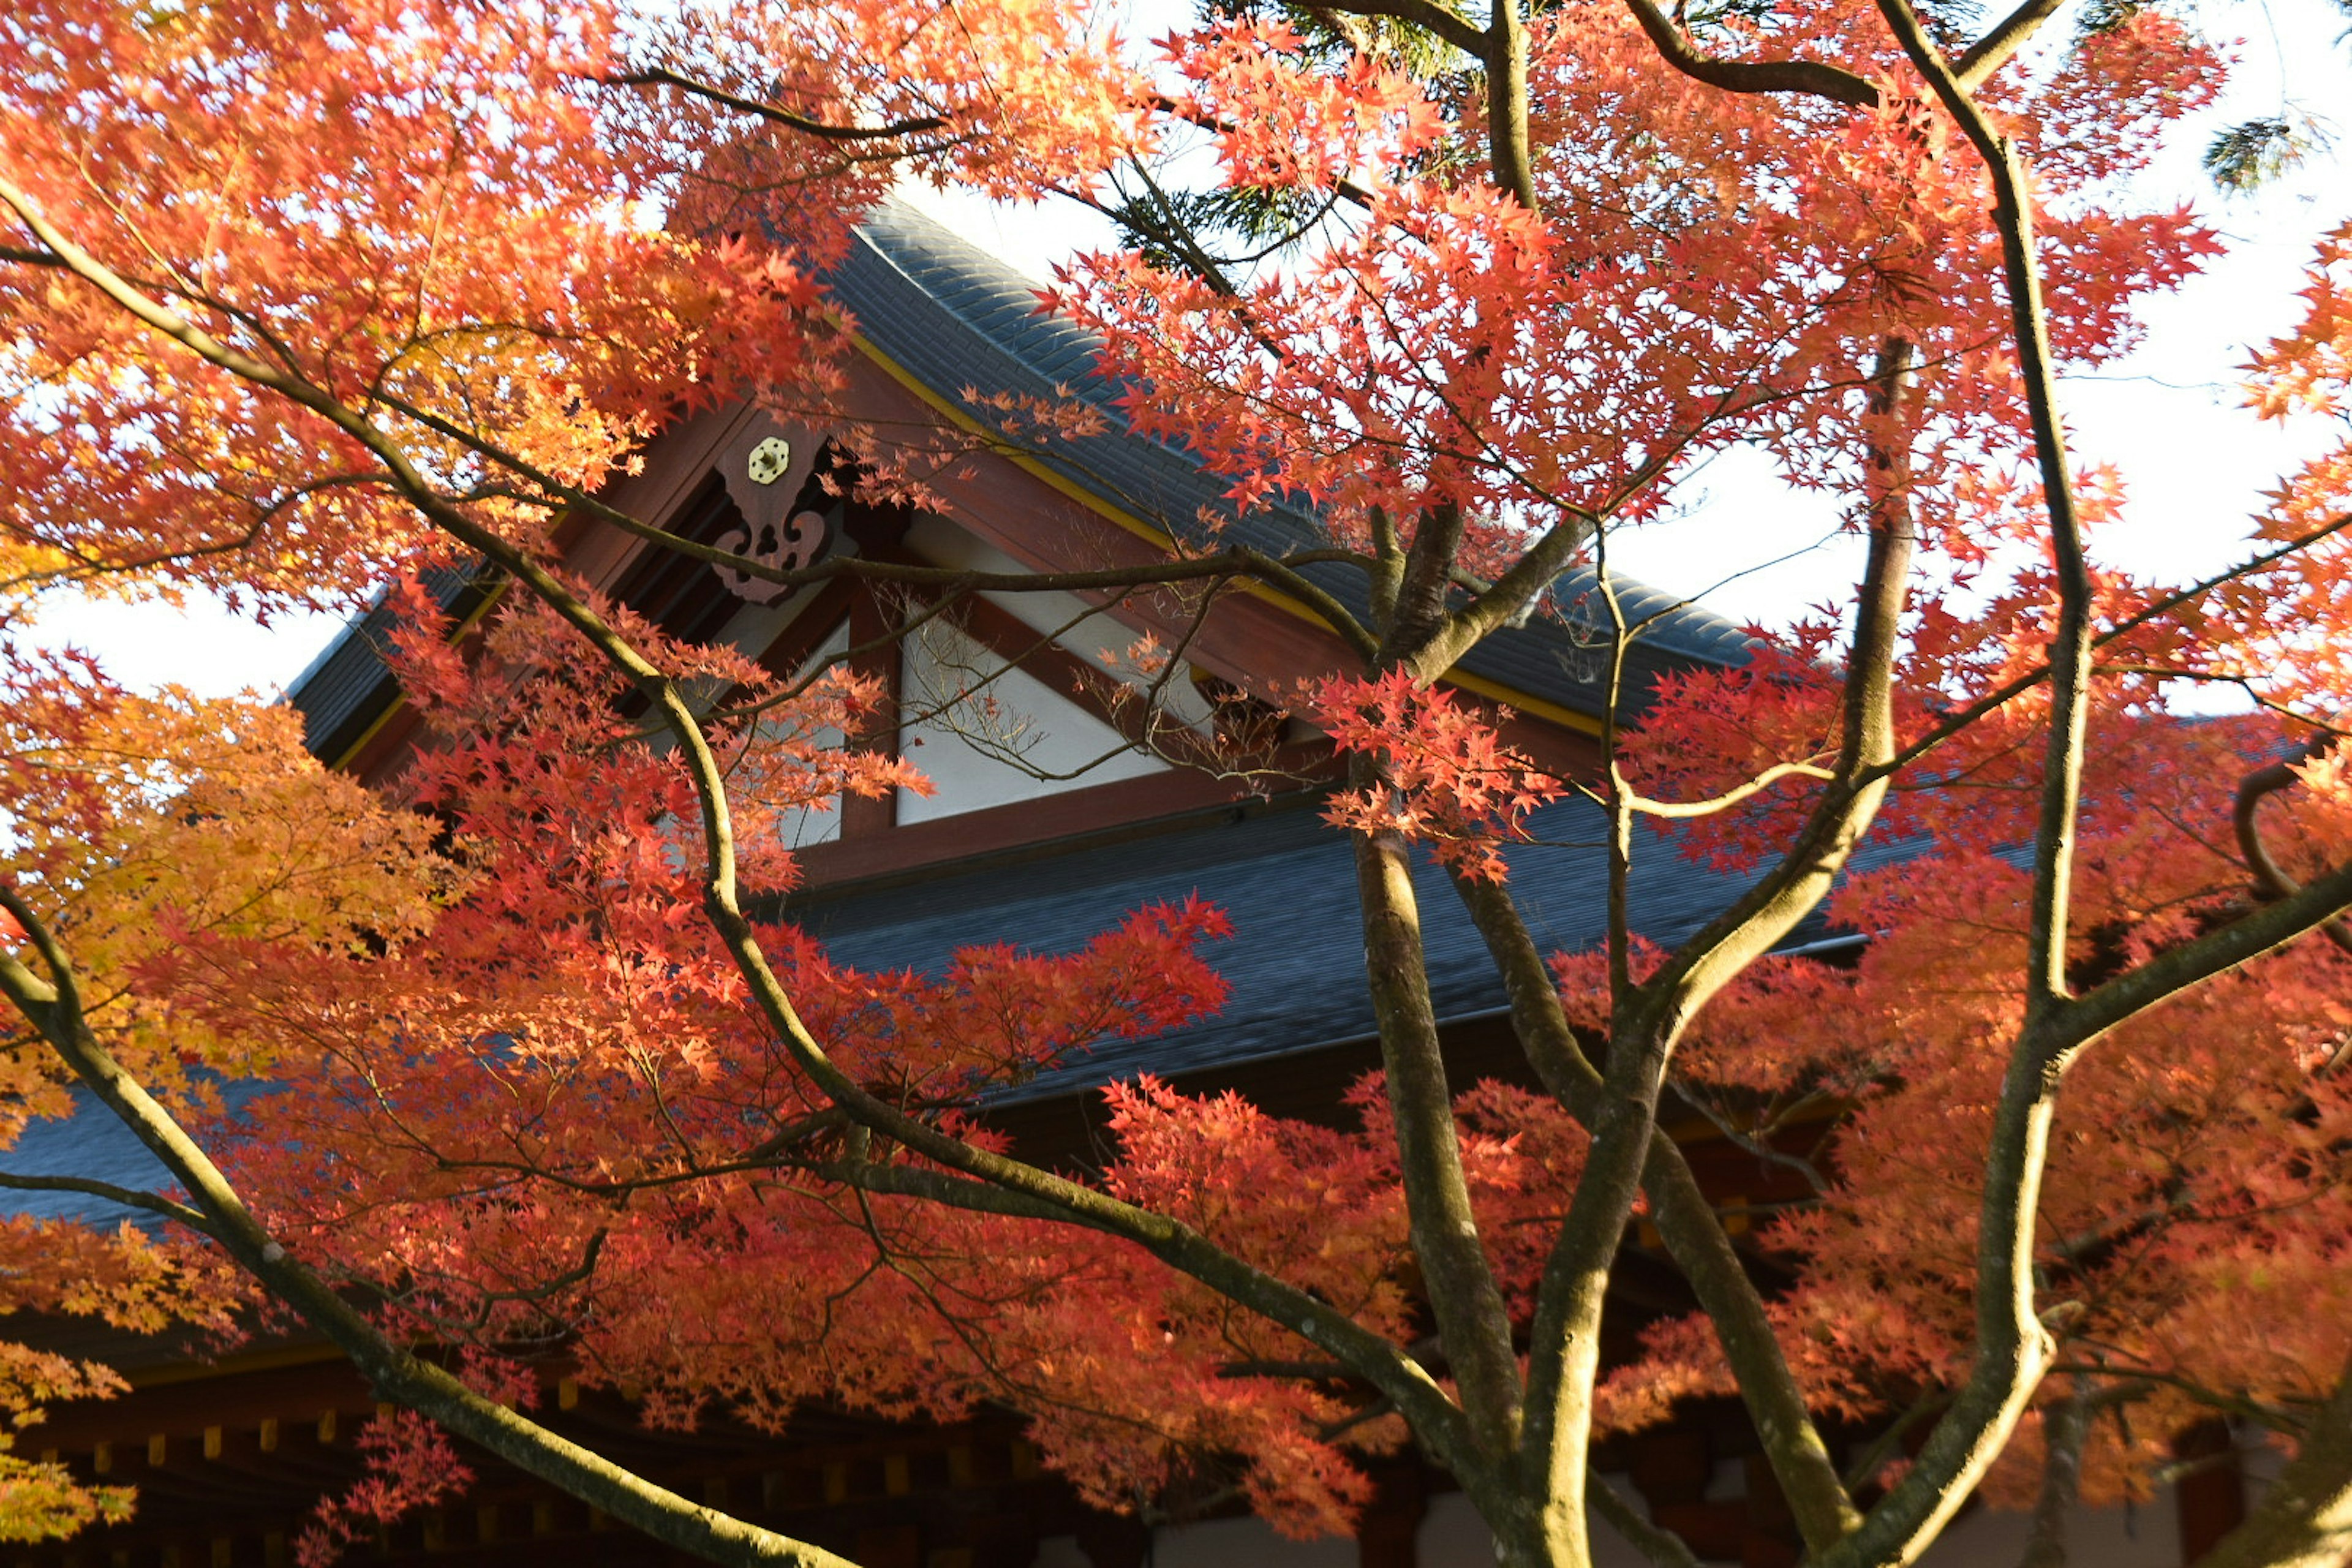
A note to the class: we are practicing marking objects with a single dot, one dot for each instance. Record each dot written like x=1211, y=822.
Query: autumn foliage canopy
x=305, y=301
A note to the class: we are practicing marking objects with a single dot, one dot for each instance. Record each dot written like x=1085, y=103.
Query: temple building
x=1064, y=800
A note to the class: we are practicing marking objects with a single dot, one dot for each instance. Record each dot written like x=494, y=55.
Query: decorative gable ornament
x=765, y=472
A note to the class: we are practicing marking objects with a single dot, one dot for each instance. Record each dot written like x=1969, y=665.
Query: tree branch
x=1471, y=1319
x=1433, y=1416
x=1494, y=605
x=659, y=76
x=2253, y=790
x=1427, y=15
x=1179, y=1246
x=1797, y=883
x=396, y=1375
x=2065, y=1426
x=1808, y=77
x=129, y=1197
x=2304, y=1518
x=1510, y=160
x=2012, y=1347
x=1687, y=1222
x=1662, y=1547
x=2080, y=1021
x=1682, y=810
x=1993, y=51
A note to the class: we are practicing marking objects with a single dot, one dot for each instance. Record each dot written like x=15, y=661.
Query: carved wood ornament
x=766, y=469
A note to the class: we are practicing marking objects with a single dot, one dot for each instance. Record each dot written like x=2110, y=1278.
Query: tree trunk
x=2304, y=1519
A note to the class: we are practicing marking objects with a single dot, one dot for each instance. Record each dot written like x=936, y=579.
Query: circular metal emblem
x=769, y=459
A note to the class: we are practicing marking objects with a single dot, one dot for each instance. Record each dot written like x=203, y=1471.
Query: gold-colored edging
x=234, y=1366
x=1102, y=507
x=399, y=704
x=1110, y=511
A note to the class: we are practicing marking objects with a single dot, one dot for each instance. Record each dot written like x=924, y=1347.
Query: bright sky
x=2168, y=417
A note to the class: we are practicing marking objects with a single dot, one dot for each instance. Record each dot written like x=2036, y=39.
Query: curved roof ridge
x=1035, y=351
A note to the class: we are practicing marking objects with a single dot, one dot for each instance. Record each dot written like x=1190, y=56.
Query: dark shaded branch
x=1493, y=605
x=2070, y=642
x=129, y=1197
x=1038, y=1192
x=1427, y=15
x=1647, y=1019
x=2253, y=790
x=1433, y=1416
x=659, y=76
x=1466, y=1300
x=2013, y=1348
x=2065, y=1426
x=1809, y=76
x=1662, y=1547
x=55, y=1007
x=1873, y=1459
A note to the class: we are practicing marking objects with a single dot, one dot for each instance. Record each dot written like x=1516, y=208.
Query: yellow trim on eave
x=234, y=1366
x=1535, y=706
x=392, y=709
x=1520, y=703
x=1093, y=502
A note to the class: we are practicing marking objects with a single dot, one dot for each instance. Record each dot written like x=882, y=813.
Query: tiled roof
x=957, y=318
x=1294, y=963
x=342, y=692
x=1296, y=960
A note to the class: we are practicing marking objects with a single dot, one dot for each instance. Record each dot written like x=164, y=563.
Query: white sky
x=2168, y=417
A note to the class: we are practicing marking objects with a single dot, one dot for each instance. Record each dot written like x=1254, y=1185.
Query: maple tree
x=305, y=299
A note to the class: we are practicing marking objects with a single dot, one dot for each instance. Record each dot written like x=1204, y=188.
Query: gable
x=1027, y=709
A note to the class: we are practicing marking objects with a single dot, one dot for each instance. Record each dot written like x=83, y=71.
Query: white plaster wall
x=2147, y=1536
x=1245, y=1543
x=810, y=825
x=1454, y=1536
x=1098, y=639
x=991, y=747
